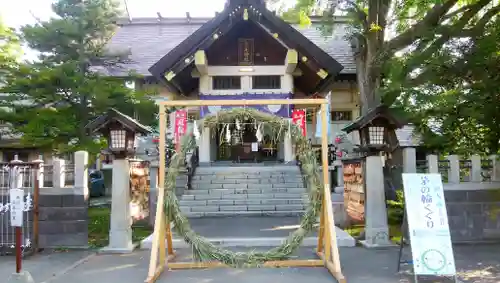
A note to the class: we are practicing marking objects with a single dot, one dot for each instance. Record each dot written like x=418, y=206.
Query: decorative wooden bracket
x=200, y=61
x=291, y=60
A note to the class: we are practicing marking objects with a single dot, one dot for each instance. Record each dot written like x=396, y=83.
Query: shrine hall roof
x=149, y=39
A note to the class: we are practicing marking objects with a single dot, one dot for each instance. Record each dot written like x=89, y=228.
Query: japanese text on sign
x=428, y=225
x=299, y=119
x=16, y=207
x=180, y=126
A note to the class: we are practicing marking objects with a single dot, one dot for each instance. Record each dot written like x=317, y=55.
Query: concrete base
x=23, y=277
x=343, y=240
x=112, y=250
x=368, y=245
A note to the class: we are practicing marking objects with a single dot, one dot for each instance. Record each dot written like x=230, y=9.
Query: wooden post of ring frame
x=327, y=249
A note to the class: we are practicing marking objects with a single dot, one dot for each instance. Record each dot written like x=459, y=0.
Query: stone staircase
x=219, y=191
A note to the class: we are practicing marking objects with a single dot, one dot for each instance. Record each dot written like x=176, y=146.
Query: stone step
x=243, y=213
x=228, y=179
x=245, y=186
x=237, y=202
x=239, y=208
x=244, y=196
x=264, y=190
x=247, y=169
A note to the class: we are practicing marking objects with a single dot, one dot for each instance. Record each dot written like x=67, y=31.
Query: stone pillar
x=288, y=148
x=81, y=173
x=204, y=148
x=376, y=227
x=340, y=178
x=454, y=169
x=58, y=176
x=495, y=171
x=475, y=171
x=409, y=160
x=432, y=164
x=120, y=234
x=153, y=192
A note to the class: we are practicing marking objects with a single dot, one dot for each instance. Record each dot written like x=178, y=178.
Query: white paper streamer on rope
x=238, y=125
x=196, y=131
x=258, y=134
x=228, y=134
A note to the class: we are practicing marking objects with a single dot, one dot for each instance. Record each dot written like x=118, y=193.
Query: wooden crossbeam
x=162, y=256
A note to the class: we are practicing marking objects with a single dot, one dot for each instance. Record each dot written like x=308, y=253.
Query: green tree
x=383, y=28
x=55, y=97
x=10, y=50
x=457, y=106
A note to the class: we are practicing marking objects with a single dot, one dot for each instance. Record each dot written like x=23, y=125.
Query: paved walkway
x=476, y=264
x=251, y=231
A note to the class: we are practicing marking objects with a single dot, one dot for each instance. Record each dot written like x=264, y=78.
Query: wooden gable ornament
x=376, y=129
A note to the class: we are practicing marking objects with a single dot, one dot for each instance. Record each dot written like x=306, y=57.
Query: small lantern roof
x=113, y=115
x=379, y=112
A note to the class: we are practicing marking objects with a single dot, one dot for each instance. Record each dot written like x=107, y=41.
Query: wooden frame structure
x=327, y=248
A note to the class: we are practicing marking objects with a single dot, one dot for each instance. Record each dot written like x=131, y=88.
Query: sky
x=26, y=11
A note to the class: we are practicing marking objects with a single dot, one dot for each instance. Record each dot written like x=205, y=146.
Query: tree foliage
x=421, y=28
x=456, y=107
x=10, y=50
x=53, y=99
x=436, y=59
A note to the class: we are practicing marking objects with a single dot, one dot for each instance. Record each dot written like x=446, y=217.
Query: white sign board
x=255, y=147
x=431, y=247
x=16, y=207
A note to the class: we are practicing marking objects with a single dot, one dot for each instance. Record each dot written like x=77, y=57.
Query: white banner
x=431, y=247
x=16, y=207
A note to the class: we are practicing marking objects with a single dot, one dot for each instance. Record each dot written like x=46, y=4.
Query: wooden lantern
x=120, y=130
x=376, y=129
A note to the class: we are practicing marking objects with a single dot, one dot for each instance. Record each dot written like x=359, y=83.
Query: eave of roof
x=193, y=42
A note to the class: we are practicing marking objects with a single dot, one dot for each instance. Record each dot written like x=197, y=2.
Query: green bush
x=395, y=209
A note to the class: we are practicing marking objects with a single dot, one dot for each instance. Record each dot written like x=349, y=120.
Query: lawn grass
x=99, y=219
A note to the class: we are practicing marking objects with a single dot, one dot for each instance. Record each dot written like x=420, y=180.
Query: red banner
x=299, y=119
x=180, y=127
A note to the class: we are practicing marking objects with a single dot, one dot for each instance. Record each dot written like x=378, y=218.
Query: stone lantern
x=377, y=135
x=121, y=132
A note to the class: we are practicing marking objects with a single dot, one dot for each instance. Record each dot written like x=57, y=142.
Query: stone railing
x=455, y=170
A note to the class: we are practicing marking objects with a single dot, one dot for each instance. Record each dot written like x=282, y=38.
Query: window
x=226, y=82
x=266, y=82
x=341, y=115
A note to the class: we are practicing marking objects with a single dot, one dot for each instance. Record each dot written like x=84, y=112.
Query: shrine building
x=244, y=52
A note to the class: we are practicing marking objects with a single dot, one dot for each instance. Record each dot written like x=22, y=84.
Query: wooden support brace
x=291, y=60
x=279, y=263
x=200, y=61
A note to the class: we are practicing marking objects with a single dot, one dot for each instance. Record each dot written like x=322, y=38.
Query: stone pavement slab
x=259, y=231
x=45, y=265
x=475, y=264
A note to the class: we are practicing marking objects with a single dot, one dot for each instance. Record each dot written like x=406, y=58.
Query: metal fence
x=9, y=174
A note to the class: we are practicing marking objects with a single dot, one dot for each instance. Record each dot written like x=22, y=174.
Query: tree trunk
x=368, y=84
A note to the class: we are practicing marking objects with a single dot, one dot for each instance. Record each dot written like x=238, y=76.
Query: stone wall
x=63, y=220
x=473, y=215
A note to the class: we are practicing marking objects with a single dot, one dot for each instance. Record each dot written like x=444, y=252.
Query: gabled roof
x=239, y=11
x=379, y=111
x=149, y=39
x=115, y=115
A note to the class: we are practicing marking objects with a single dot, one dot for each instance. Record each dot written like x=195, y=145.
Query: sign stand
x=426, y=223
